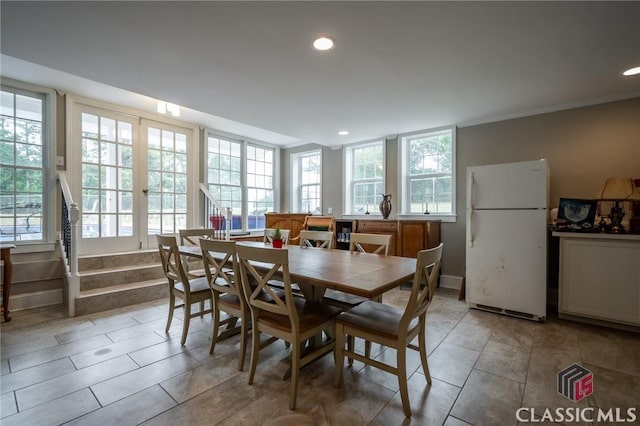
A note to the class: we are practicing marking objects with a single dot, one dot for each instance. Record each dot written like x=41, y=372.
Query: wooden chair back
x=274, y=264
x=171, y=260
x=427, y=271
x=192, y=237
x=322, y=239
x=222, y=271
x=268, y=235
x=380, y=243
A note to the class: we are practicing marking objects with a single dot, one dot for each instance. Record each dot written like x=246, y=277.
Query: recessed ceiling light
x=632, y=71
x=324, y=43
x=343, y=133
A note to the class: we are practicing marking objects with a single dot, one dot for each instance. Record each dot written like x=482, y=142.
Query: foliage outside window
x=306, y=177
x=241, y=176
x=22, y=184
x=364, y=177
x=428, y=160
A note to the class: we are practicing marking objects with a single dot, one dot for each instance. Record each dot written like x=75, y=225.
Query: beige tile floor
x=120, y=368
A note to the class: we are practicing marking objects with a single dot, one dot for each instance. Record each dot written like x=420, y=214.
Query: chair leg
x=367, y=349
x=338, y=351
x=295, y=370
x=185, y=322
x=216, y=326
x=402, y=380
x=255, y=351
x=202, y=309
x=350, y=346
x=422, y=346
x=244, y=329
x=172, y=307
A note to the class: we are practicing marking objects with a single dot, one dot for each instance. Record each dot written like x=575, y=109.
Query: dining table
x=317, y=269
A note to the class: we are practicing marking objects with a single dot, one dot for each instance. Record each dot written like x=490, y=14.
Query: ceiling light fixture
x=632, y=71
x=324, y=43
x=343, y=133
x=168, y=107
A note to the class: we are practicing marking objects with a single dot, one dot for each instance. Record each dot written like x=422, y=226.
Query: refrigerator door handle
x=470, y=209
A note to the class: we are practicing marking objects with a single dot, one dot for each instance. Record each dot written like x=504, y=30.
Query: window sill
x=426, y=217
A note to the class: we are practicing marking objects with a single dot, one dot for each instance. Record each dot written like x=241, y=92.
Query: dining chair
x=268, y=235
x=392, y=327
x=376, y=243
x=189, y=289
x=224, y=280
x=321, y=239
x=286, y=317
x=191, y=237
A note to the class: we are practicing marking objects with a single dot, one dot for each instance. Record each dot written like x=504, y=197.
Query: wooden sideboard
x=600, y=278
x=408, y=237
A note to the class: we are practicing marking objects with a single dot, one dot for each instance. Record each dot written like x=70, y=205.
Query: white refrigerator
x=506, y=262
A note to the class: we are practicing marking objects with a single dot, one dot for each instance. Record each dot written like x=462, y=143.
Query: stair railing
x=70, y=217
x=214, y=213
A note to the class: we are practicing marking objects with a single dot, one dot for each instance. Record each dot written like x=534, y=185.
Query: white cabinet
x=600, y=277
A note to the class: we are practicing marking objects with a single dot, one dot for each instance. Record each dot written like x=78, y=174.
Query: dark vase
x=385, y=205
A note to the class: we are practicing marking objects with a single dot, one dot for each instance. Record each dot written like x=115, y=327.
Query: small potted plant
x=276, y=239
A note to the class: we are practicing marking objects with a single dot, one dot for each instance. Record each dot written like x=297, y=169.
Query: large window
x=241, y=176
x=364, y=172
x=306, y=176
x=428, y=165
x=22, y=165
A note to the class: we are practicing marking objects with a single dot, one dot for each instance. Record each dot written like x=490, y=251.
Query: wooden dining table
x=317, y=269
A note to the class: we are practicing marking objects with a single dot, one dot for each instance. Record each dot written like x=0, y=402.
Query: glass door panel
x=166, y=185
x=107, y=160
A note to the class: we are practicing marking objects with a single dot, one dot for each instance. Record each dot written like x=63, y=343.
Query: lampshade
x=619, y=189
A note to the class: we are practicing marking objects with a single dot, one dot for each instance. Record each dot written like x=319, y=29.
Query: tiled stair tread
x=121, y=287
x=94, y=262
x=119, y=269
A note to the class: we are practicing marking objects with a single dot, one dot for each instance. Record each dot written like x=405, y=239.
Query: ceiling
x=248, y=67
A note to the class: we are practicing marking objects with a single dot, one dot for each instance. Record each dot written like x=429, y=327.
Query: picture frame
x=576, y=215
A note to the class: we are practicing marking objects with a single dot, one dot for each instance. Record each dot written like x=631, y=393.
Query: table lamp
x=618, y=190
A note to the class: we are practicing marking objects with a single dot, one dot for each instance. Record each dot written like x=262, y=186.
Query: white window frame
x=348, y=201
x=405, y=178
x=49, y=187
x=245, y=143
x=296, y=181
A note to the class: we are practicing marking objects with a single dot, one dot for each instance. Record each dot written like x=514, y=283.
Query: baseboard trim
x=37, y=299
x=451, y=281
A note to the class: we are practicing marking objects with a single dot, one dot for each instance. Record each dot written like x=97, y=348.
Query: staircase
x=111, y=281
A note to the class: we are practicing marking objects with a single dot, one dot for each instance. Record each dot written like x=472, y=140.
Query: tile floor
x=120, y=368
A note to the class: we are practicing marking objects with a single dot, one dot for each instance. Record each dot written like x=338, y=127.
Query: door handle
x=146, y=191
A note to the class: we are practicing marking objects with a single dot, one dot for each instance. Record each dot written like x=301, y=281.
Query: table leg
x=5, y=255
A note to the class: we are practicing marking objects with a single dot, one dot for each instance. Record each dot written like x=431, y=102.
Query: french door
x=133, y=178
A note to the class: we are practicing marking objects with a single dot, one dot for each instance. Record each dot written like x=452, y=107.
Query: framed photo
x=576, y=215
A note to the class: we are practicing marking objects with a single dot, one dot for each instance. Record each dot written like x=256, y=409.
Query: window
x=428, y=165
x=22, y=165
x=306, y=176
x=241, y=176
x=364, y=173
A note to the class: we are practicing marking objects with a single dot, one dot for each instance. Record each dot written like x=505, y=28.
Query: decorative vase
x=385, y=205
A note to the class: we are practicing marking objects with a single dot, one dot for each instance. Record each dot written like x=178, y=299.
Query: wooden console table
x=5, y=256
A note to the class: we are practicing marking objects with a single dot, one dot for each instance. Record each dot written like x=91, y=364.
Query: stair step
x=110, y=277
x=117, y=260
x=116, y=296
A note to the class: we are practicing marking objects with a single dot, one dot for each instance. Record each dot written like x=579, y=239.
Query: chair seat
x=196, y=285
x=310, y=315
x=341, y=299
x=383, y=319
x=231, y=301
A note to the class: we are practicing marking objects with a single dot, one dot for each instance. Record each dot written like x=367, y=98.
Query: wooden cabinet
x=600, y=277
x=386, y=227
x=343, y=229
x=291, y=221
x=416, y=235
